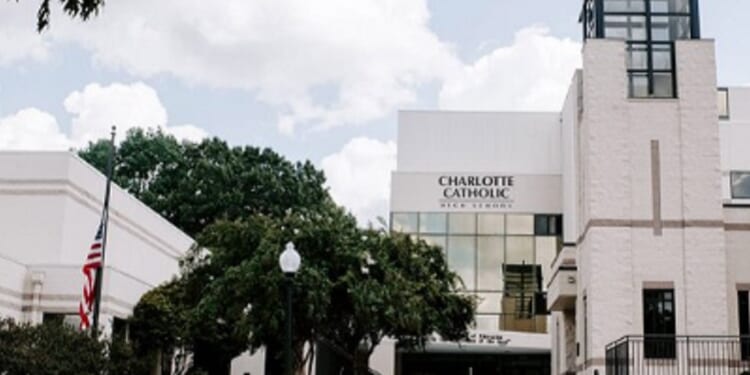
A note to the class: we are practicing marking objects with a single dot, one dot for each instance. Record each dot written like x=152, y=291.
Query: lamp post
x=289, y=261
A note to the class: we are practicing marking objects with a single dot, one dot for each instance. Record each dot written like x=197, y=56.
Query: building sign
x=475, y=192
x=480, y=191
x=477, y=338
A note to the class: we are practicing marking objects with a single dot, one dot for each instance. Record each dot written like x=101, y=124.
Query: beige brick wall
x=620, y=250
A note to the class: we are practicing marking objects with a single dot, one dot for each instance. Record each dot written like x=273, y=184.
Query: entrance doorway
x=473, y=364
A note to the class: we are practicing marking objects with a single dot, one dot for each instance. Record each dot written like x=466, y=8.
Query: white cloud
x=95, y=109
x=18, y=37
x=533, y=74
x=359, y=177
x=369, y=56
x=31, y=129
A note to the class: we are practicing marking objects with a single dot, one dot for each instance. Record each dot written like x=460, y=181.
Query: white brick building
x=651, y=178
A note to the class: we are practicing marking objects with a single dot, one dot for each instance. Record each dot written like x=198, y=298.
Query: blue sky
x=316, y=80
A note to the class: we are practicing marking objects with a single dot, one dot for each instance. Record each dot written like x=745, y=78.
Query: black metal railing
x=679, y=355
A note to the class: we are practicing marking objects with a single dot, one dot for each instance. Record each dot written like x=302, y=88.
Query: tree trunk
x=156, y=369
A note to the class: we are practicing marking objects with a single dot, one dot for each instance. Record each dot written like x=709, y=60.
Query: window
x=659, y=323
x=723, y=102
x=432, y=223
x=650, y=28
x=740, y=185
x=744, y=315
x=404, y=223
x=547, y=225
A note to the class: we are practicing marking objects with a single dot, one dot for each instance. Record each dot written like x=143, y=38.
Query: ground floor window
x=744, y=316
x=659, y=323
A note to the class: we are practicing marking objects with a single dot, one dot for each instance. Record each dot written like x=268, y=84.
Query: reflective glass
x=637, y=56
x=462, y=259
x=432, y=223
x=624, y=5
x=404, y=222
x=519, y=250
x=546, y=251
x=625, y=27
x=439, y=241
x=670, y=6
x=668, y=28
x=662, y=54
x=520, y=224
x=491, y=223
x=663, y=85
x=489, y=303
x=490, y=263
x=462, y=223
x=741, y=185
x=638, y=85
x=723, y=102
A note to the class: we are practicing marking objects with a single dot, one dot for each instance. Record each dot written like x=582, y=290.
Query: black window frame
x=732, y=176
x=659, y=326
x=593, y=18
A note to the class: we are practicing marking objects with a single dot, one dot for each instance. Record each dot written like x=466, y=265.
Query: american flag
x=90, y=266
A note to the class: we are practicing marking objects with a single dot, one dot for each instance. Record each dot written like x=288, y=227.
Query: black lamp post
x=289, y=261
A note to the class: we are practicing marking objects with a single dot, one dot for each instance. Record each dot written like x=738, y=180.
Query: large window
x=740, y=184
x=659, y=323
x=502, y=260
x=650, y=28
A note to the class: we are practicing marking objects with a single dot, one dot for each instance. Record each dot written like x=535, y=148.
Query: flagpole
x=99, y=280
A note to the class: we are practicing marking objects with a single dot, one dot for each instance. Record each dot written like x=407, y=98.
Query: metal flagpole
x=105, y=221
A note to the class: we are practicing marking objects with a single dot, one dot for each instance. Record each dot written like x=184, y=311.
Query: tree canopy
x=242, y=204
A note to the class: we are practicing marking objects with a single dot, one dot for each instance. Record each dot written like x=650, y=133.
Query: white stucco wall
x=52, y=204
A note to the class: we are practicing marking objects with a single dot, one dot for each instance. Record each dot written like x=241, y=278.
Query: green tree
x=56, y=349
x=82, y=9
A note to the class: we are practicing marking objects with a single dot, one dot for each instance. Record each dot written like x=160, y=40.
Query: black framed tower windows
x=649, y=28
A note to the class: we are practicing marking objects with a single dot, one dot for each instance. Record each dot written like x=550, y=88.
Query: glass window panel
x=462, y=223
x=670, y=6
x=637, y=56
x=638, y=85
x=432, y=223
x=439, y=241
x=520, y=224
x=668, y=28
x=404, y=222
x=624, y=5
x=462, y=259
x=662, y=57
x=491, y=223
x=546, y=251
x=741, y=185
x=723, y=102
x=519, y=250
x=663, y=85
x=625, y=27
x=491, y=253
x=487, y=322
x=489, y=303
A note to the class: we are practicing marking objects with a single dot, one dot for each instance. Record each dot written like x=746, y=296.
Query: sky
x=314, y=80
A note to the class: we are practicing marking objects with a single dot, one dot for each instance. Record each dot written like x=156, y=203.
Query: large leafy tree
x=195, y=185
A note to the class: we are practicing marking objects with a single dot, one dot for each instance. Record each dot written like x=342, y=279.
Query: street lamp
x=289, y=261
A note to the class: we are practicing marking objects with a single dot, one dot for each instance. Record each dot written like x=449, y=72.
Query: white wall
x=52, y=204
x=442, y=141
